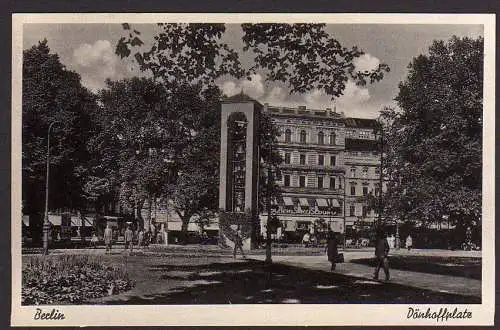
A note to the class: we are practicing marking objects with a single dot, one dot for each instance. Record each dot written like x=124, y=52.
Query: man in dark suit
x=331, y=249
x=381, y=253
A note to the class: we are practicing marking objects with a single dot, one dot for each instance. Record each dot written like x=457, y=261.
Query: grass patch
x=70, y=279
x=452, y=266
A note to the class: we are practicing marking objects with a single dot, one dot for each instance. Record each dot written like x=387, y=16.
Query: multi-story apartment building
x=330, y=164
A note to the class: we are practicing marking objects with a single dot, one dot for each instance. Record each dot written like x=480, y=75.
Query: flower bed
x=70, y=279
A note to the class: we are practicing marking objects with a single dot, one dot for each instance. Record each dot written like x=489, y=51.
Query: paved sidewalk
x=438, y=283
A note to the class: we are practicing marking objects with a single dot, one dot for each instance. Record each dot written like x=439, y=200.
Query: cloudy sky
x=89, y=50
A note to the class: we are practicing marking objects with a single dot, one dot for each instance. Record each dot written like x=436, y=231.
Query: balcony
x=311, y=190
x=315, y=168
x=310, y=145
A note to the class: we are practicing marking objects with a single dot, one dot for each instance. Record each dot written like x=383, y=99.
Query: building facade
x=331, y=163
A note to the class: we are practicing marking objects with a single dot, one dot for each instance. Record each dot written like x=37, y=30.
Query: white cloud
x=355, y=100
x=254, y=88
x=96, y=62
x=276, y=95
x=366, y=62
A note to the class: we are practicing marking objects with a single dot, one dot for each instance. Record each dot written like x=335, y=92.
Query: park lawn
x=221, y=280
x=453, y=266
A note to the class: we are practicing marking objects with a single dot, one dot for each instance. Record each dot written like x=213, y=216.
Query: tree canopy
x=303, y=56
x=435, y=140
x=51, y=93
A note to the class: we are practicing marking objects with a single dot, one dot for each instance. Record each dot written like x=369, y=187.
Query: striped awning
x=322, y=202
x=303, y=202
x=288, y=201
x=77, y=222
x=335, y=203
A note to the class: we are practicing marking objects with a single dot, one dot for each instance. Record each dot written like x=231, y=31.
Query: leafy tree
x=130, y=145
x=435, y=141
x=303, y=56
x=51, y=93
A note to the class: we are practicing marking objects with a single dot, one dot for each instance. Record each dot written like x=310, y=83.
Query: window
x=353, y=189
x=321, y=159
x=377, y=171
x=332, y=182
x=288, y=136
x=353, y=172
x=365, y=190
x=287, y=180
x=333, y=161
x=364, y=210
x=364, y=134
x=377, y=189
x=287, y=158
x=333, y=138
x=302, y=181
x=303, y=137
x=320, y=182
x=351, y=210
x=302, y=159
x=365, y=172
x=321, y=138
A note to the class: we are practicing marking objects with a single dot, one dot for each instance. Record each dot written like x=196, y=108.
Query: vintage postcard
x=253, y=169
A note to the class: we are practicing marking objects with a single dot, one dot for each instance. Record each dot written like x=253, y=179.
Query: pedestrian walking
x=108, y=238
x=331, y=249
x=238, y=244
x=129, y=237
x=140, y=238
x=147, y=238
x=381, y=254
x=409, y=242
x=306, y=239
x=94, y=240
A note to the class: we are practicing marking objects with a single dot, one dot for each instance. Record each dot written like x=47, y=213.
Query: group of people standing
x=143, y=238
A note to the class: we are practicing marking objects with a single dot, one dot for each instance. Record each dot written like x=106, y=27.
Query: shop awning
x=322, y=202
x=303, y=202
x=77, y=222
x=55, y=220
x=288, y=201
x=335, y=203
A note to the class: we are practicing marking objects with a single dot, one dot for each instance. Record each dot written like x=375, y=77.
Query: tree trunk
x=184, y=228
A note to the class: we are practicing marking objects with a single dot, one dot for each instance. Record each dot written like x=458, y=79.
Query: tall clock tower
x=239, y=159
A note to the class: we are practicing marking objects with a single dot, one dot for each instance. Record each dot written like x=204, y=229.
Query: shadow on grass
x=257, y=283
x=452, y=266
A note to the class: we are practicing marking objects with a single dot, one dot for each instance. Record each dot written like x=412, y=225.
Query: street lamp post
x=343, y=211
x=398, y=243
x=169, y=161
x=46, y=223
x=269, y=185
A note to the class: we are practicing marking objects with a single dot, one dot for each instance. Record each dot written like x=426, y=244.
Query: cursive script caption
x=441, y=315
x=54, y=314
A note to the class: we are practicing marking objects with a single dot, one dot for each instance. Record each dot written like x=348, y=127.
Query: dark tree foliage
x=190, y=53
x=51, y=93
x=303, y=56
x=164, y=144
x=435, y=141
